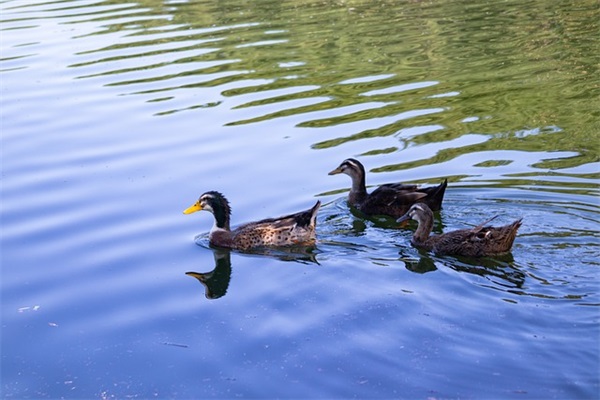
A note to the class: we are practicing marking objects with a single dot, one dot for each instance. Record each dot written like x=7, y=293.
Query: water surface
x=117, y=116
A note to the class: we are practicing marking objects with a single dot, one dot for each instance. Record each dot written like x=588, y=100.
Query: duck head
x=419, y=212
x=350, y=167
x=215, y=203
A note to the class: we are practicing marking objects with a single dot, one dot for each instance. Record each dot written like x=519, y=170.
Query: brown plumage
x=477, y=242
x=392, y=199
x=293, y=229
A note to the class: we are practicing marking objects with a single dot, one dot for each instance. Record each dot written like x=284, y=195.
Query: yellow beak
x=193, y=209
x=338, y=170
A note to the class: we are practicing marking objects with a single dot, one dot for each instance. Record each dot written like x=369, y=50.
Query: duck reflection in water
x=500, y=271
x=216, y=281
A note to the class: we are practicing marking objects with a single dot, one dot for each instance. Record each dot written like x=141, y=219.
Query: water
x=116, y=116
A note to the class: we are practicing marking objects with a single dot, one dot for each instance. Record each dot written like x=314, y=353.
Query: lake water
x=117, y=115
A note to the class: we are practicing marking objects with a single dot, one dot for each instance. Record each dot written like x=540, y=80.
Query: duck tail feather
x=480, y=226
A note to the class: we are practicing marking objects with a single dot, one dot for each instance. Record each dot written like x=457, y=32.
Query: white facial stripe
x=205, y=201
x=351, y=163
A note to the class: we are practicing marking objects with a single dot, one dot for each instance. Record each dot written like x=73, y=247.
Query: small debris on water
x=175, y=344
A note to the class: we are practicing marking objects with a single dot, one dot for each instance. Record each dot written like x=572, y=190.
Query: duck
x=476, y=242
x=294, y=229
x=392, y=199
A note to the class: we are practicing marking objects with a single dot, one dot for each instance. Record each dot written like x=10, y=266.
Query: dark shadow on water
x=216, y=282
x=420, y=266
x=299, y=254
x=500, y=270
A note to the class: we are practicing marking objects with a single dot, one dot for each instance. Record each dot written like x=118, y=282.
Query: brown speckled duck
x=477, y=242
x=293, y=229
x=392, y=199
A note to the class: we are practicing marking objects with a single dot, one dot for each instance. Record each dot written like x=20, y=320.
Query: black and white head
x=350, y=167
x=210, y=201
x=419, y=212
x=215, y=203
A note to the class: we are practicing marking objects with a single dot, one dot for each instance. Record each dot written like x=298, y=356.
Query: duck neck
x=221, y=218
x=358, y=192
x=421, y=235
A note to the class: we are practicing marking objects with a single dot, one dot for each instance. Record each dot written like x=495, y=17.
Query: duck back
x=289, y=230
x=476, y=242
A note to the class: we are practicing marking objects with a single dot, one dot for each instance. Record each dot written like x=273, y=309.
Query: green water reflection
x=522, y=76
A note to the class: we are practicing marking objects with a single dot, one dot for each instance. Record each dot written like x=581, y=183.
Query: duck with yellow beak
x=290, y=230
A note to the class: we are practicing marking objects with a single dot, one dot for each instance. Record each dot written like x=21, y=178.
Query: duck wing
x=395, y=193
x=288, y=230
x=391, y=199
x=479, y=241
x=461, y=242
x=435, y=195
x=306, y=218
x=479, y=227
x=497, y=239
x=402, y=196
x=399, y=187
